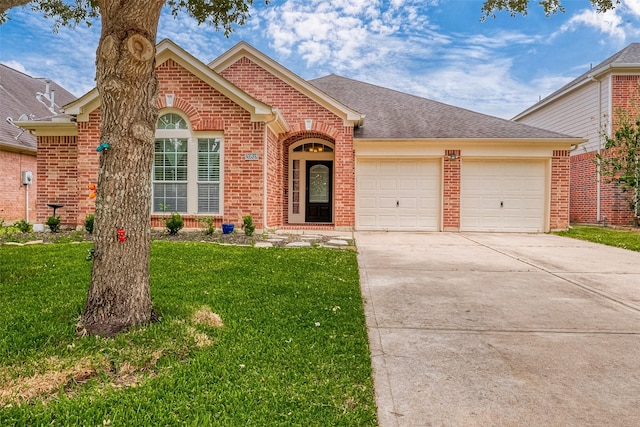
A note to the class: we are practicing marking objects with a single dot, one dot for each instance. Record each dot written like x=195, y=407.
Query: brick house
x=243, y=135
x=586, y=107
x=22, y=97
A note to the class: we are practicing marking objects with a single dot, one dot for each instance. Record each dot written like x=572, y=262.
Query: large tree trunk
x=119, y=295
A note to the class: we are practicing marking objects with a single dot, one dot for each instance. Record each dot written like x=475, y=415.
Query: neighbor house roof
x=627, y=59
x=25, y=97
x=391, y=114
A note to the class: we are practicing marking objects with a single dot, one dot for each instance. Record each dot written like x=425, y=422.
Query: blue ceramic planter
x=227, y=228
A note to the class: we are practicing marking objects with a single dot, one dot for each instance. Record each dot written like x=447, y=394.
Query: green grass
x=607, y=236
x=292, y=351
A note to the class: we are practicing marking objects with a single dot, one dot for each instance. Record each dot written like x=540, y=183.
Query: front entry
x=318, y=191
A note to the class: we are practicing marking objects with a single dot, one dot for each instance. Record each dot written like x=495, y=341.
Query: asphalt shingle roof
x=390, y=114
x=17, y=97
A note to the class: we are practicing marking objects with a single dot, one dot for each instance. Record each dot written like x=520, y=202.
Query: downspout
x=598, y=177
x=265, y=225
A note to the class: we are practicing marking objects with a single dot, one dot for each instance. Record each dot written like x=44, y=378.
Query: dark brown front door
x=319, y=191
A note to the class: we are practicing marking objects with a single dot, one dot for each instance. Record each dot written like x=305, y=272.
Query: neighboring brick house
x=246, y=136
x=587, y=107
x=22, y=97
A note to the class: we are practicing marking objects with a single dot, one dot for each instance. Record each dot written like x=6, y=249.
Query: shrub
x=88, y=223
x=23, y=226
x=209, y=225
x=247, y=225
x=174, y=223
x=53, y=222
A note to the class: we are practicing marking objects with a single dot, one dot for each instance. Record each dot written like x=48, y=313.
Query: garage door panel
x=406, y=194
x=503, y=195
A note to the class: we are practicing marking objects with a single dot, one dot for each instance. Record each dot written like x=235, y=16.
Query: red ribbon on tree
x=121, y=236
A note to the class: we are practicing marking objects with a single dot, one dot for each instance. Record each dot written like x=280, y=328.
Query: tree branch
x=8, y=4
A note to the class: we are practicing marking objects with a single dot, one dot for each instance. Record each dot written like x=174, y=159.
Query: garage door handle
x=501, y=204
x=397, y=203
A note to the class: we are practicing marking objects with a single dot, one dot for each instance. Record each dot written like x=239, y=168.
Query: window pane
x=168, y=197
x=209, y=159
x=208, y=198
x=170, y=160
x=171, y=121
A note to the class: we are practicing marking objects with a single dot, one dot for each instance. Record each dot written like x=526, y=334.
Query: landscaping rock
x=298, y=245
x=337, y=242
x=263, y=245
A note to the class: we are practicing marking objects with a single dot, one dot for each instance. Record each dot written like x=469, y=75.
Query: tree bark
x=119, y=295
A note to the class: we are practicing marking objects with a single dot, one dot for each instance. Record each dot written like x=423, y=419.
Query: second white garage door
x=503, y=195
x=398, y=194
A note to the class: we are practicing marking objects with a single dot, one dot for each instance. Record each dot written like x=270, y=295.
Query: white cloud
x=16, y=66
x=341, y=34
x=633, y=6
x=609, y=23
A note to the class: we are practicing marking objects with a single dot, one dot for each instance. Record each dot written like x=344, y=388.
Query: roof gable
x=396, y=115
x=241, y=50
x=626, y=60
x=166, y=50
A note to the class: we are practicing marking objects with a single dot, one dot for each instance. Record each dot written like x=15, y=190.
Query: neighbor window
x=187, y=172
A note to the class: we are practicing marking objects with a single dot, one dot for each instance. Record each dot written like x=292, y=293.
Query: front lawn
x=292, y=349
x=607, y=236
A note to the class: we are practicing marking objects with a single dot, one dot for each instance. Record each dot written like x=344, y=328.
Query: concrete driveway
x=501, y=329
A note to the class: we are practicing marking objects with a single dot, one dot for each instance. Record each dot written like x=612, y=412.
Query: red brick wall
x=208, y=109
x=88, y=164
x=614, y=205
x=275, y=181
x=57, y=178
x=584, y=187
x=13, y=195
x=296, y=107
x=451, y=191
x=559, y=203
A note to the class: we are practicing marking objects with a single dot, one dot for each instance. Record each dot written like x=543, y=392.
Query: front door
x=319, y=191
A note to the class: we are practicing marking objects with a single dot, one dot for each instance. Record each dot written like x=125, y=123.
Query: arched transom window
x=187, y=168
x=313, y=147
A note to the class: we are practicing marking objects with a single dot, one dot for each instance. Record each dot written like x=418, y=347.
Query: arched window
x=313, y=147
x=187, y=172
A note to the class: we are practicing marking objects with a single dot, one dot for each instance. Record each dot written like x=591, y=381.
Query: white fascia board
x=169, y=50
x=436, y=146
x=53, y=128
x=166, y=49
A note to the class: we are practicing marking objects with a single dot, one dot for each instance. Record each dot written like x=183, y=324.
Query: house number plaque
x=251, y=156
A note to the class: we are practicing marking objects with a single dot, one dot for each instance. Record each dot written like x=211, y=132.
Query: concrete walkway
x=501, y=329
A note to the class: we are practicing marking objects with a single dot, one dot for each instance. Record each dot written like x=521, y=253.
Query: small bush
x=53, y=222
x=174, y=223
x=209, y=225
x=247, y=225
x=23, y=226
x=88, y=223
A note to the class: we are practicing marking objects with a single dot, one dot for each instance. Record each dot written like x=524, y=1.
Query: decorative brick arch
x=293, y=138
x=316, y=128
x=182, y=105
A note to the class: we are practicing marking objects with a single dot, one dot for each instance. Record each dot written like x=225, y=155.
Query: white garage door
x=398, y=195
x=504, y=195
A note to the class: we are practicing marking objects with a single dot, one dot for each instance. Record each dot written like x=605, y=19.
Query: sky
x=437, y=49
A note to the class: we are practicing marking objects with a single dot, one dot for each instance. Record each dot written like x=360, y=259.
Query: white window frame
x=192, y=138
